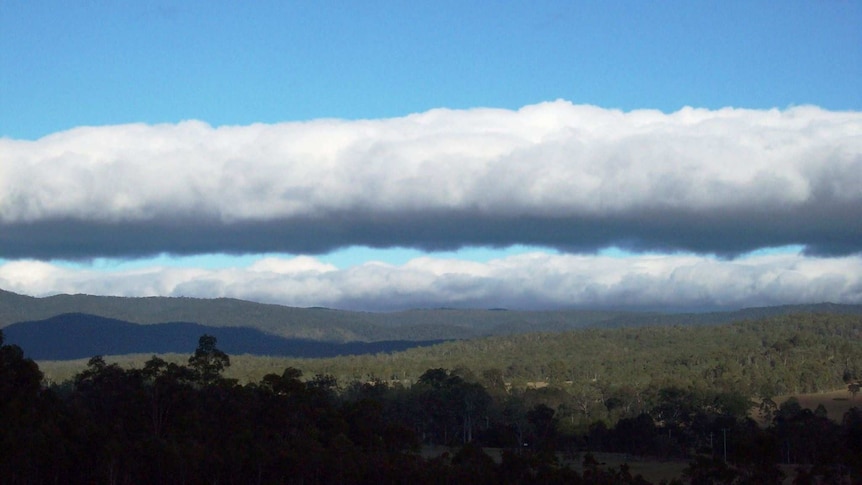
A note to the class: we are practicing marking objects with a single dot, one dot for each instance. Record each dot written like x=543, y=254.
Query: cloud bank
x=574, y=178
x=528, y=281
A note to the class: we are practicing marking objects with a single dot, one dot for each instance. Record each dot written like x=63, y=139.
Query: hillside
x=788, y=354
x=323, y=324
x=77, y=335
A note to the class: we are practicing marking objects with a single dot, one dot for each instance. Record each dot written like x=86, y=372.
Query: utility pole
x=724, y=432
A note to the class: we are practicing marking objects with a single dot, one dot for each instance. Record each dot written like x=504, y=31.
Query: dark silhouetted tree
x=208, y=361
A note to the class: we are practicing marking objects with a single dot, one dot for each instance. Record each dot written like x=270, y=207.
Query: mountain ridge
x=77, y=335
x=333, y=325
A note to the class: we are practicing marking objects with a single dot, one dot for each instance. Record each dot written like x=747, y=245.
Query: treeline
x=778, y=356
x=608, y=374
x=186, y=423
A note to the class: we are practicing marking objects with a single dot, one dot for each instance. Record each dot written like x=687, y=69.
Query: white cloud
x=534, y=280
x=297, y=265
x=790, y=176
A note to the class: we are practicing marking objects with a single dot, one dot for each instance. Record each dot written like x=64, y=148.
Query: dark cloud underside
x=828, y=230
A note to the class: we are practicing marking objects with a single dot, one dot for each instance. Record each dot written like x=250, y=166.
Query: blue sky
x=102, y=62
x=134, y=71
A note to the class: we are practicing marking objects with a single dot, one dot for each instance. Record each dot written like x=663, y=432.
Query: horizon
x=587, y=309
x=532, y=156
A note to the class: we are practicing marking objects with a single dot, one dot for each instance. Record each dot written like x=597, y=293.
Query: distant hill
x=77, y=335
x=328, y=325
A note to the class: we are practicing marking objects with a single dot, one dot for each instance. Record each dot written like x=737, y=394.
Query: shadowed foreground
x=167, y=423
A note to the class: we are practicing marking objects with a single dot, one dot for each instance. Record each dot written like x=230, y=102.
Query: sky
x=387, y=155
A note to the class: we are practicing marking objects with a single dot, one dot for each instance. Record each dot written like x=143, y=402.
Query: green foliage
x=783, y=355
x=208, y=361
x=164, y=422
x=606, y=374
x=22, y=429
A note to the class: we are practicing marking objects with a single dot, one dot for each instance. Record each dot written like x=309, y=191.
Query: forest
x=530, y=408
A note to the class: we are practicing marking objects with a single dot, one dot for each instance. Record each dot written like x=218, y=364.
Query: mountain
x=329, y=325
x=321, y=324
x=77, y=335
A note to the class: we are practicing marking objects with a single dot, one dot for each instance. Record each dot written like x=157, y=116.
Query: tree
x=854, y=388
x=167, y=386
x=544, y=423
x=113, y=411
x=23, y=437
x=208, y=361
x=451, y=405
x=20, y=377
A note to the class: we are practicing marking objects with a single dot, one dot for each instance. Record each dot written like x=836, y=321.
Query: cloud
x=536, y=280
x=575, y=178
